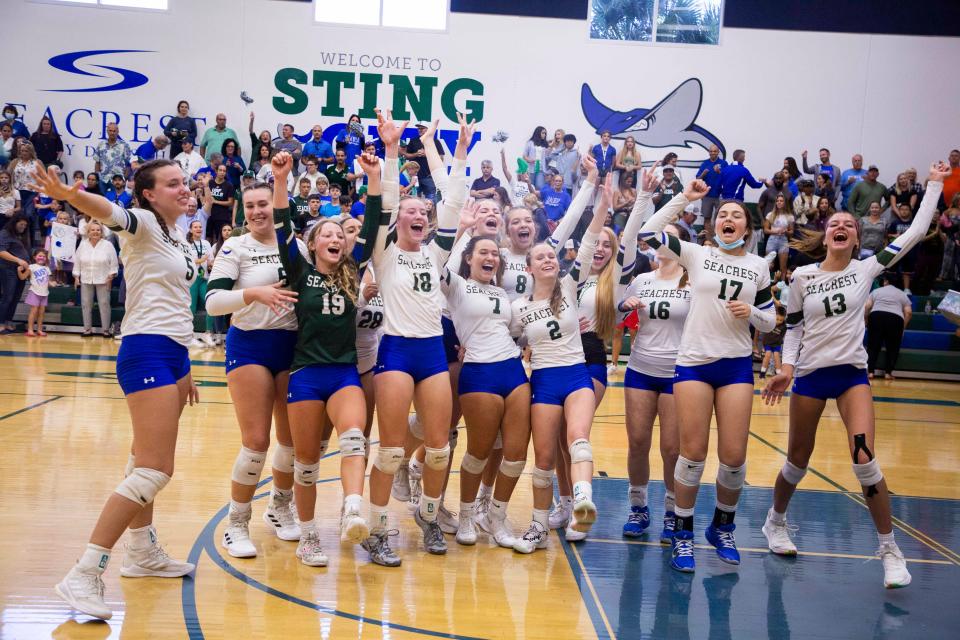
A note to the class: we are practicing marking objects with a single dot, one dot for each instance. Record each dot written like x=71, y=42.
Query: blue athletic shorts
x=830, y=382
x=270, y=348
x=773, y=349
x=636, y=380
x=598, y=372
x=499, y=378
x=147, y=361
x=552, y=385
x=451, y=343
x=718, y=374
x=419, y=357
x=320, y=381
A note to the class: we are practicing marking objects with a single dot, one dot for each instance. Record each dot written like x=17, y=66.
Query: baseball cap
x=873, y=167
x=569, y=244
x=249, y=174
x=668, y=167
x=362, y=190
x=421, y=125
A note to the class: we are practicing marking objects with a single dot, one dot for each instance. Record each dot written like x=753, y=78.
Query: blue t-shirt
x=329, y=210
x=555, y=203
x=50, y=215
x=352, y=145
x=123, y=198
x=713, y=176
x=847, y=189
x=320, y=149
x=357, y=209
x=146, y=151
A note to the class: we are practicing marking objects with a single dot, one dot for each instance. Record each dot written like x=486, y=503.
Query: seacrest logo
x=68, y=62
x=672, y=122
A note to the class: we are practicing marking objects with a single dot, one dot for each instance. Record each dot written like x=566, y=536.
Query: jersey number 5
x=554, y=327
x=421, y=281
x=190, y=268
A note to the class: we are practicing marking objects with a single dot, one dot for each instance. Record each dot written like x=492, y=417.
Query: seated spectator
x=191, y=215
x=873, y=232
x=265, y=174
x=483, y=187
x=216, y=159
x=824, y=188
x=311, y=173
x=669, y=160
x=687, y=218
x=95, y=266
x=232, y=160
x=332, y=208
x=555, y=199
x=48, y=144
x=337, y=173
x=667, y=188
x=301, y=202
x=118, y=193
x=502, y=197
x=93, y=184
x=189, y=160
x=806, y=203
x=149, y=150
x=359, y=208
x=408, y=178
x=357, y=176
x=902, y=192
x=866, y=191
x=345, y=203
x=319, y=149
x=6, y=144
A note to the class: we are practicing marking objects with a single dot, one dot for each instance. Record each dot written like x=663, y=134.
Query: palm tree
x=689, y=21
x=622, y=20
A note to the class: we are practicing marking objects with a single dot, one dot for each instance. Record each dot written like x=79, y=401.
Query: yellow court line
x=593, y=592
x=819, y=554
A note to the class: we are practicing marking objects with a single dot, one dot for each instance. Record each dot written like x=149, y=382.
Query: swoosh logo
x=67, y=62
x=227, y=251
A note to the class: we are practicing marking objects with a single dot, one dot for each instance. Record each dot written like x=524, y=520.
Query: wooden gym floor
x=65, y=434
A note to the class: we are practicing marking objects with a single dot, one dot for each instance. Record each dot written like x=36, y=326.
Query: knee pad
x=415, y=426
x=352, y=443
x=366, y=448
x=512, y=468
x=305, y=474
x=454, y=436
x=792, y=473
x=131, y=464
x=248, y=466
x=437, y=459
x=869, y=475
x=142, y=485
x=471, y=464
x=498, y=443
x=731, y=477
x=688, y=472
x=283, y=458
x=324, y=445
x=542, y=479
x=388, y=459
x=581, y=451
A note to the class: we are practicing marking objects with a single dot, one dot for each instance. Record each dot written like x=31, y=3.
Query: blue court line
x=29, y=407
x=590, y=601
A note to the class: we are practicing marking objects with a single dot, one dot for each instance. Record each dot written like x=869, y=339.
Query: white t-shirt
x=201, y=249
x=889, y=299
x=190, y=163
x=481, y=313
x=266, y=173
x=780, y=221
x=9, y=202
x=40, y=280
x=158, y=271
x=95, y=264
x=662, y=315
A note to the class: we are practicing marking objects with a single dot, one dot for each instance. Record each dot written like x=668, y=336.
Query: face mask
x=729, y=246
x=8, y=115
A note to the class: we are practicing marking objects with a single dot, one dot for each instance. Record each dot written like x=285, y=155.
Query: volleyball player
x=411, y=362
x=369, y=330
x=324, y=377
x=153, y=369
x=562, y=389
x=730, y=290
x=824, y=350
x=662, y=301
x=248, y=281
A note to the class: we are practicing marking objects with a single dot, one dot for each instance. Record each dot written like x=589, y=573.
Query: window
x=404, y=14
x=160, y=5
x=657, y=21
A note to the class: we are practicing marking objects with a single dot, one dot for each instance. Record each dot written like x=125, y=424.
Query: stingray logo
x=670, y=123
x=68, y=62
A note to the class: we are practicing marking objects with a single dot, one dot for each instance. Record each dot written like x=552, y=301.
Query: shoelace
x=157, y=553
x=434, y=533
x=637, y=517
x=683, y=548
x=726, y=539
x=533, y=534
x=89, y=583
x=311, y=544
x=284, y=513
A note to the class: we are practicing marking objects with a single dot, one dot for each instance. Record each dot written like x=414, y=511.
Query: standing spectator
x=929, y=259
x=823, y=187
x=319, y=149
x=486, y=184
x=93, y=184
x=310, y=174
x=21, y=168
x=219, y=202
x=337, y=173
x=112, y=156
x=179, y=128
x=710, y=172
x=415, y=151
x=533, y=154
x=822, y=167
x=289, y=144
x=264, y=154
x=214, y=139
x=555, y=145
x=17, y=128
x=150, y=150
x=555, y=199
x=6, y=143
x=48, y=144
x=873, y=232
x=94, y=268
x=778, y=227
x=790, y=165
x=911, y=174
x=951, y=184
x=687, y=218
x=902, y=192
x=778, y=186
x=566, y=162
x=903, y=216
x=37, y=274
x=300, y=202
x=239, y=217
x=888, y=313
x=950, y=224
x=866, y=191
x=734, y=178
x=264, y=139
x=233, y=161
x=189, y=160
x=14, y=253
x=359, y=208
x=408, y=178
x=604, y=154
x=351, y=140
x=849, y=179
x=9, y=198
x=118, y=193
x=628, y=159
x=624, y=199
x=519, y=183
x=668, y=187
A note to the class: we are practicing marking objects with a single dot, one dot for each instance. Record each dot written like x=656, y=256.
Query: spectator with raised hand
x=319, y=149
x=112, y=156
x=866, y=191
x=849, y=179
x=520, y=186
x=735, y=177
x=822, y=167
x=179, y=128
x=710, y=172
x=263, y=139
x=604, y=153
x=149, y=150
x=534, y=152
x=213, y=139
x=416, y=152
x=95, y=266
x=48, y=144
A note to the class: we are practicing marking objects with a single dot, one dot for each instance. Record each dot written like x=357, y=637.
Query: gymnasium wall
x=773, y=93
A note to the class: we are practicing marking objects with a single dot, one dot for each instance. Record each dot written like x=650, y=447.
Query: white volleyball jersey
x=369, y=324
x=554, y=340
x=245, y=262
x=159, y=272
x=662, y=314
x=825, y=309
x=716, y=278
x=481, y=314
x=517, y=281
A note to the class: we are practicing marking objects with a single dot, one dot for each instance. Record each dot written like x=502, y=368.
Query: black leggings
x=884, y=329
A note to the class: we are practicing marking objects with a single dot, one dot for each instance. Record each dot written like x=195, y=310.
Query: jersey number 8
x=521, y=284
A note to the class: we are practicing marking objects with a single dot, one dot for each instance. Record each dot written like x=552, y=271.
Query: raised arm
x=448, y=211
x=652, y=230
x=642, y=209
x=902, y=244
x=503, y=165
x=294, y=263
x=389, y=133
x=580, y=270
x=370, y=230
x=584, y=196
x=48, y=182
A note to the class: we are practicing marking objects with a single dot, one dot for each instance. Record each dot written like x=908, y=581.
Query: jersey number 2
x=554, y=327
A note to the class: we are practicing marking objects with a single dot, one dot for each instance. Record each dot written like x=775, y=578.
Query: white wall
x=773, y=93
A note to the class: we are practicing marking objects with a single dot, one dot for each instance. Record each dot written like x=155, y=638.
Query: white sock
x=416, y=467
x=94, y=559
x=886, y=538
x=467, y=509
x=379, y=518
x=543, y=517
x=429, y=507
x=776, y=518
x=582, y=490
x=729, y=508
x=485, y=490
x=282, y=494
x=638, y=495
x=240, y=507
x=683, y=513
x=670, y=501
x=498, y=509
x=566, y=501
x=308, y=526
x=352, y=503
x=142, y=538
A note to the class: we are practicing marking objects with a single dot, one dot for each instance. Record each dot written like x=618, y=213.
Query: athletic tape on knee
x=792, y=473
x=454, y=436
x=471, y=464
x=131, y=464
x=352, y=443
x=688, y=472
x=283, y=458
x=248, y=466
x=512, y=468
x=732, y=477
x=498, y=443
x=869, y=475
x=415, y=426
x=324, y=445
x=542, y=479
x=305, y=474
x=581, y=451
x=142, y=485
x=437, y=459
x=388, y=459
